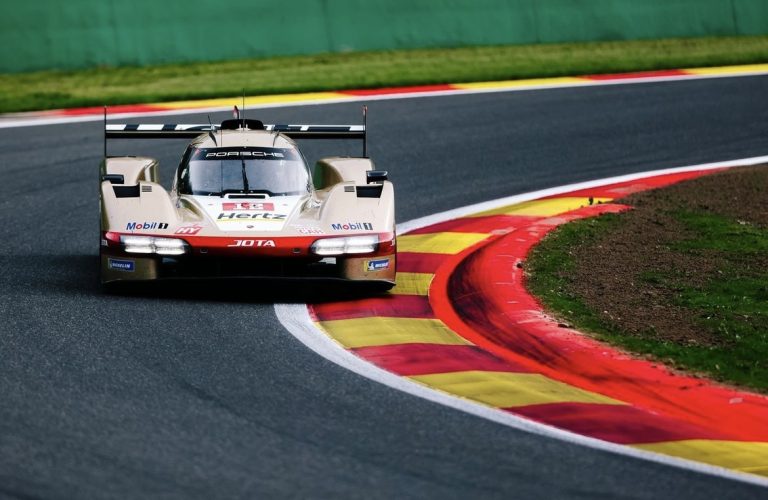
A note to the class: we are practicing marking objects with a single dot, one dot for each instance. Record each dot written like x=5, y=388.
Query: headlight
x=169, y=246
x=138, y=244
x=151, y=244
x=361, y=244
x=340, y=246
x=331, y=246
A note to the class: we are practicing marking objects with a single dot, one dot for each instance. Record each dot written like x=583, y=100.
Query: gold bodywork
x=341, y=204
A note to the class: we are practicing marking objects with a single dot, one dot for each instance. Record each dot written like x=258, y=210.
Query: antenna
x=210, y=132
x=365, y=131
x=237, y=117
x=105, y=131
x=243, y=107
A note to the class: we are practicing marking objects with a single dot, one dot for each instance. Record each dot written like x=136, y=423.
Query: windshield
x=245, y=170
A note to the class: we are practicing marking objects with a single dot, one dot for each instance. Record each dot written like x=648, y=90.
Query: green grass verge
x=733, y=304
x=130, y=85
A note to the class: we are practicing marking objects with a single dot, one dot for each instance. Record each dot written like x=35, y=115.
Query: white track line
x=20, y=120
x=295, y=318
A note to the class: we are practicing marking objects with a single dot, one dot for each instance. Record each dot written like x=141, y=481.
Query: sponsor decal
x=189, y=229
x=249, y=205
x=308, y=229
x=145, y=226
x=245, y=153
x=121, y=265
x=252, y=243
x=353, y=226
x=239, y=154
x=376, y=265
x=234, y=216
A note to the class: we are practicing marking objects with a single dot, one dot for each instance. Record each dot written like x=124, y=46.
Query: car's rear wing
x=190, y=131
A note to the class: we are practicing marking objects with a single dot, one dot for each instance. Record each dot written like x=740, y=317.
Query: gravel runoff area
x=647, y=277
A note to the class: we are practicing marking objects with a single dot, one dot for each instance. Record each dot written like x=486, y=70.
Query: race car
x=244, y=203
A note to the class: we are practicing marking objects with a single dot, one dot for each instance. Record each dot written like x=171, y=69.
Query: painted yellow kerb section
x=729, y=70
x=412, y=283
x=378, y=331
x=508, y=390
x=255, y=100
x=543, y=208
x=443, y=243
x=531, y=82
x=749, y=457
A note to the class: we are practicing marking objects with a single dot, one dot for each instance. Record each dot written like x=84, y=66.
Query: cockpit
x=243, y=170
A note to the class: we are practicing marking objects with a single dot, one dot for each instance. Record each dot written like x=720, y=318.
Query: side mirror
x=113, y=178
x=374, y=176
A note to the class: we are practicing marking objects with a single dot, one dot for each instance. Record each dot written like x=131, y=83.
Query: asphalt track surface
x=202, y=394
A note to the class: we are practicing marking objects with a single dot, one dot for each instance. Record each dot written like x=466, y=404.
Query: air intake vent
x=126, y=191
x=349, y=189
x=146, y=189
x=258, y=196
x=372, y=191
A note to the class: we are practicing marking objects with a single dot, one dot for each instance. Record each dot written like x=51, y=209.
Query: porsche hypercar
x=244, y=203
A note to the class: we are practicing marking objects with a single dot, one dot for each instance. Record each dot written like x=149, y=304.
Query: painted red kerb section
x=480, y=294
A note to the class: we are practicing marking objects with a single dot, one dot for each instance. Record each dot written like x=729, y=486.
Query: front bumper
x=285, y=259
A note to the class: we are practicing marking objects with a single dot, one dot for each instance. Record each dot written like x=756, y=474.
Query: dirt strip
x=614, y=275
